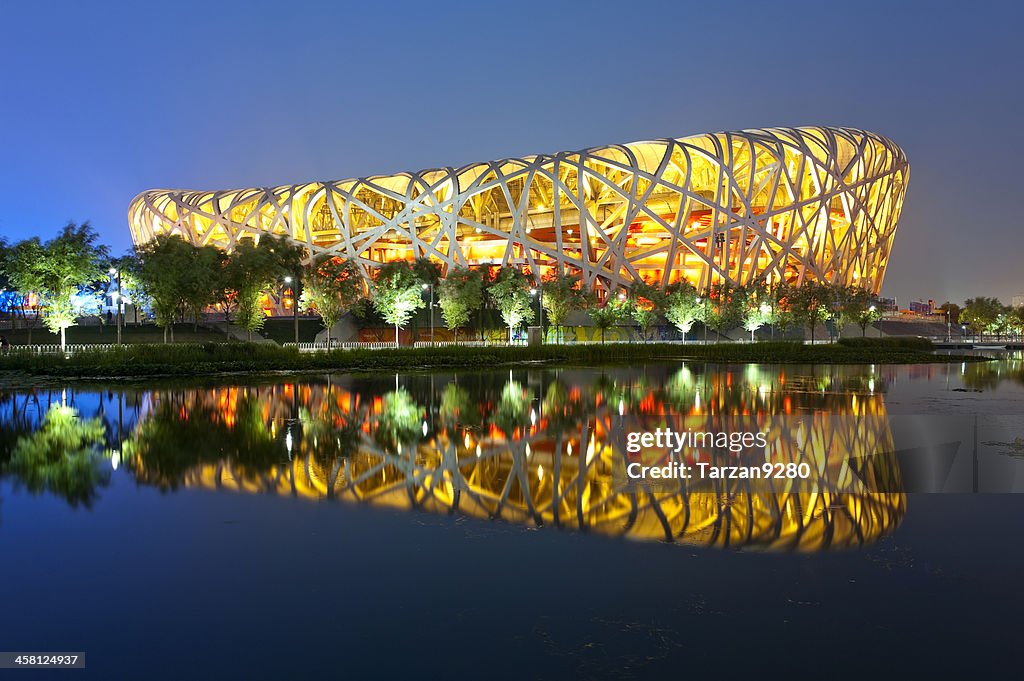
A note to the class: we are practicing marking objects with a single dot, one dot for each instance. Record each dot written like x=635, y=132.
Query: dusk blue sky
x=103, y=100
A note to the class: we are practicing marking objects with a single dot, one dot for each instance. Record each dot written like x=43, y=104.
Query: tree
x=161, y=268
x=56, y=271
x=460, y=295
x=852, y=305
x=64, y=456
x=397, y=293
x=867, y=314
x=252, y=268
x=616, y=309
x=811, y=303
x=5, y=254
x=1015, y=320
x=332, y=286
x=561, y=294
x=981, y=313
x=722, y=310
x=510, y=292
x=780, y=297
x=428, y=271
x=682, y=306
x=203, y=281
x=647, y=303
x=756, y=307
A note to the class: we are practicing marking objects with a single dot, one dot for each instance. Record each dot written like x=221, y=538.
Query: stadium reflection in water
x=532, y=447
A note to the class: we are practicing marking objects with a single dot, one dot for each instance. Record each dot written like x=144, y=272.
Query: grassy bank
x=142, y=361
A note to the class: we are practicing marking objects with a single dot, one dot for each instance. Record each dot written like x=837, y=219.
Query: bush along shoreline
x=142, y=361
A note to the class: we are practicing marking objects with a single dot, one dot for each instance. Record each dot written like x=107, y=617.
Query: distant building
x=922, y=307
x=1018, y=300
x=888, y=305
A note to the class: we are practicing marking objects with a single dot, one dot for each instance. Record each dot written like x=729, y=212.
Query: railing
x=56, y=349
x=72, y=348
x=334, y=345
x=454, y=344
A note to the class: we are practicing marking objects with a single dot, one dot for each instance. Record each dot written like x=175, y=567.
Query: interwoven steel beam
x=779, y=204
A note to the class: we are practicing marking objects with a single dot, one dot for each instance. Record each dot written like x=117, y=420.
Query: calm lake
x=481, y=525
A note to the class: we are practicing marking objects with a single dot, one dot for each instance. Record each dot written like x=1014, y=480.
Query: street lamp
x=295, y=306
x=540, y=311
x=703, y=319
x=117, y=273
x=430, y=287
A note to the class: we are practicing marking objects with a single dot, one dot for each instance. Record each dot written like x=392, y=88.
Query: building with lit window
x=779, y=204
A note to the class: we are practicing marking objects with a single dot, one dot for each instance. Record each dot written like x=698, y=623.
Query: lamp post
x=430, y=287
x=295, y=307
x=540, y=311
x=949, y=335
x=703, y=318
x=117, y=273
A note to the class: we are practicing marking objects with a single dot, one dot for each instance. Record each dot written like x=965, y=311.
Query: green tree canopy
x=175, y=276
x=510, y=293
x=757, y=307
x=853, y=305
x=647, y=303
x=460, y=295
x=63, y=457
x=397, y=293
x=812, y=303
x=56, y=271
x=252, y=269
x=561, y=294
x=617, y=308
x=332, y=286
x=204, y=281
x=722, y=310
x=683, y=306
x=982, y=314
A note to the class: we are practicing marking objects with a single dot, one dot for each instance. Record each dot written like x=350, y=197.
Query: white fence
x=55, y=349
x=72, y=348
x=323, y=347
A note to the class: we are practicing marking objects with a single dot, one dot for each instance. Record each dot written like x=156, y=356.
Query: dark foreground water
x=478, y=525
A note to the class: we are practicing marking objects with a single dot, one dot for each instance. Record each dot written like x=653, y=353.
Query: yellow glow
x=789, y=211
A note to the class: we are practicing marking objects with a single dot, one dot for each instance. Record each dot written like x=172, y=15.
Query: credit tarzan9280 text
x=674, y=442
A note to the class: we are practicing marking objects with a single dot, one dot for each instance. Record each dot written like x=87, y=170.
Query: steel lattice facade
x=780, y=204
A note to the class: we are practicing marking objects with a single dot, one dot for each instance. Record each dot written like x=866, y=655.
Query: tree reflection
x=398, y=421
x=511, y=411
x=181, y=433
x=64, y=456
x=457, y=407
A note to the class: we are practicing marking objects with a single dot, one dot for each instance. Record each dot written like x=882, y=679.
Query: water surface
x=479, y=524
